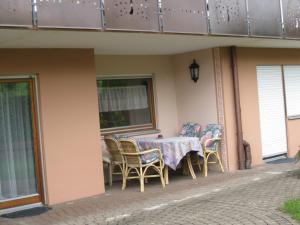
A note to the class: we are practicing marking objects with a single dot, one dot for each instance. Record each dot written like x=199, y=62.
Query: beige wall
x=196, y=102
x=178, y=98
x=164, y=83
x=248, y=59
x=69, y=118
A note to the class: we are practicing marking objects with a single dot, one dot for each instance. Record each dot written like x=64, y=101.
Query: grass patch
x=294, y=173
x=292, y=207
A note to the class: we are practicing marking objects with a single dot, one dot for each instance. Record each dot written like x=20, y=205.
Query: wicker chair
x=211, y=143
x=190, y=129
x=141, y=162
x=116, y=158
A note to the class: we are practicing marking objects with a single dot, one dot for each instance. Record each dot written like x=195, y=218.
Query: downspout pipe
x=237, y=104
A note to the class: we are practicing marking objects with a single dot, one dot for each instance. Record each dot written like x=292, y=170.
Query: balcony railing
x=68, y=14
x=16, y=13
x=188, y=16
x=228, y=17
x=255, y=18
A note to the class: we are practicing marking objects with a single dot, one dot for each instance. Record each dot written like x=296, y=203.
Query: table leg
x=189, y=162
x=166, y=174
x=110, y=169
x=185, y=168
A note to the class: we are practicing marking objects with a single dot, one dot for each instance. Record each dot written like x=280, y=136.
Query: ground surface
x=245, y=197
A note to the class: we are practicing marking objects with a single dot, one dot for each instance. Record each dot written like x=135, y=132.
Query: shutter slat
x=271, y=109
x=292, y=90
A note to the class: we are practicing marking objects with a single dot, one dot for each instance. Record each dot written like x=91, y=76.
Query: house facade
x=64, y=65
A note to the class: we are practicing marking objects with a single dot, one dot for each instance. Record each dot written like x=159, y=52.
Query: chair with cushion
x=190, y=129
x=146, y=164
x=211, y=142
x=117, y=160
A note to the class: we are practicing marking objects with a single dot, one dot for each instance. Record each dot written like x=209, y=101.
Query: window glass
x=125, y=104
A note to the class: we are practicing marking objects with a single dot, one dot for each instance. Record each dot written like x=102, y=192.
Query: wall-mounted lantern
x=194, y=70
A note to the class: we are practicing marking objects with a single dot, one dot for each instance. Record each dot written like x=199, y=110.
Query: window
x=292, y=90
x=126, y=104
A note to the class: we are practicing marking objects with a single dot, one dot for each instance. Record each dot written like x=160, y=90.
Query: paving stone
x=241, y=198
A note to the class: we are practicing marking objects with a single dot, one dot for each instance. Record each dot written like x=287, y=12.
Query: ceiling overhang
x=129, y=43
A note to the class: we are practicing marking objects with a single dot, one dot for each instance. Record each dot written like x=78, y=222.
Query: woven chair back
x=130, y=146
x=114, y=149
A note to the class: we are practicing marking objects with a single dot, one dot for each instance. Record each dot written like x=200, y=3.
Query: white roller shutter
x=271, y=109
x=292, y=90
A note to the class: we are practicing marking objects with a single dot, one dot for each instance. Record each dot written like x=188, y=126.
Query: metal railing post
x=34, y=13
x=248, y=18
x=282, y=20
x=160, y=16
x=102, y=14
x=207, y=17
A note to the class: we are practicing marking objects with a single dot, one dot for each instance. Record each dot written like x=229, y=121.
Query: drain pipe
x=237, y=104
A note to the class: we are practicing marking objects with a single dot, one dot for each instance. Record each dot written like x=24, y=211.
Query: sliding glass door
x=20, y=180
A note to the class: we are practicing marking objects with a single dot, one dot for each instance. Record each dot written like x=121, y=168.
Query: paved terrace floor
x=244, y=197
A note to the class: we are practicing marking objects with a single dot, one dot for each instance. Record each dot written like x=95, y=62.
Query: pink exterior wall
x=293, y=136
x=248, y=59
x=69, y=118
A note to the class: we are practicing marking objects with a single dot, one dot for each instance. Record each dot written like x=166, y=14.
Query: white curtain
x=17, y=173
x=122, y=98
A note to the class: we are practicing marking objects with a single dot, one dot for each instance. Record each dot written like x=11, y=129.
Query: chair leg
x=205, y=159
x=166, y=174
x=141, y=179
x=162, y=180
x=220, y=162
x=125, y=178
x=110, y=168
x=190, y=166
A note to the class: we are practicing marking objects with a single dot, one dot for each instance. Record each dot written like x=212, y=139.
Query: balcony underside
x=173, y=26
x=130, y=43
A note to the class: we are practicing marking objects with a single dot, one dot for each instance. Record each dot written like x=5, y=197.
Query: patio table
x=173, y=149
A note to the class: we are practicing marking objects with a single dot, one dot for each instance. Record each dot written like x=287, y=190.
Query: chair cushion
x=120, y=136
x=190, y=130
x=145, y=158
x=150, y=157
x=211, y=131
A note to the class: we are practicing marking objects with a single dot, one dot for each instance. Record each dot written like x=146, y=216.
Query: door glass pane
x=17, y=171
